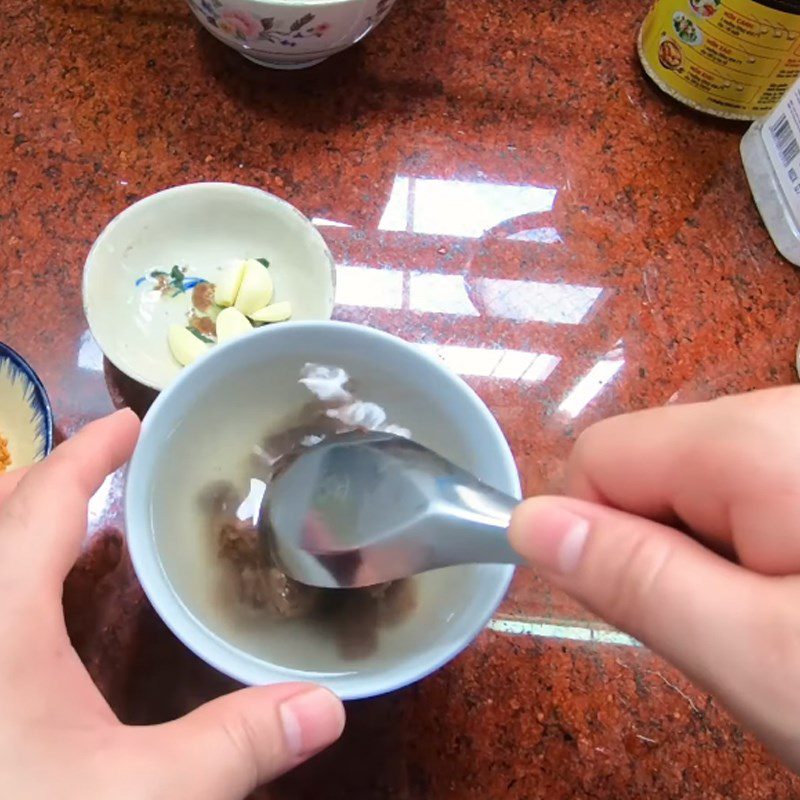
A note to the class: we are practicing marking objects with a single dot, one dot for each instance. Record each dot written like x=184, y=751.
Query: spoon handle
x=474, y=527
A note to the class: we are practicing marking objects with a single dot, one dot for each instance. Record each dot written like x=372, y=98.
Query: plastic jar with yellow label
x=731, y=58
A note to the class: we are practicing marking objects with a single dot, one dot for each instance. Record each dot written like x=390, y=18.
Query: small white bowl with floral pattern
x=290, y=34
x=143, y=271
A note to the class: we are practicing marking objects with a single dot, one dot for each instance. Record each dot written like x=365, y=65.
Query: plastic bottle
x=771, y=155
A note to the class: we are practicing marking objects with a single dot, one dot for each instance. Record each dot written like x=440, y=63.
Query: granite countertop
x=496, y=179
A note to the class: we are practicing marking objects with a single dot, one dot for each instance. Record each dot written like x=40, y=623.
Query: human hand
x=723, y=602
x=58, y=736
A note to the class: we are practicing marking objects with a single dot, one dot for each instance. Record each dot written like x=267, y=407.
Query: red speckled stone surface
x=570, y=240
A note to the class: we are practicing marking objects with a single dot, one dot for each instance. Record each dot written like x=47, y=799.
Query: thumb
x=657, y=584
x=229, y=746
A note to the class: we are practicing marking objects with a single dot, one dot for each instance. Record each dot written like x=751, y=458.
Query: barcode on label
x=785, y=139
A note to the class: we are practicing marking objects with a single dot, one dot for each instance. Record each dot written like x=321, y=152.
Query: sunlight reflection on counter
x=593, y=383
x=90, y=356
x=520, y=301
x=485, y=362
x=464, y=208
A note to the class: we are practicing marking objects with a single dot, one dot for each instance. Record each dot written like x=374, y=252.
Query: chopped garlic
x=326, y=383
x=359, y=414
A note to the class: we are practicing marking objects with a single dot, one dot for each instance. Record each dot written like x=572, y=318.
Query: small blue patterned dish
x=26, y=417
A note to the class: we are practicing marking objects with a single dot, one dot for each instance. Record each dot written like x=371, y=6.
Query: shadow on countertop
x=341, y=89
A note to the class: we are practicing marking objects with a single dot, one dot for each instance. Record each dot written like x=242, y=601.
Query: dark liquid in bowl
x=256, y=583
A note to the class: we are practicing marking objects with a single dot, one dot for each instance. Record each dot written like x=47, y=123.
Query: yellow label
x=734, y=58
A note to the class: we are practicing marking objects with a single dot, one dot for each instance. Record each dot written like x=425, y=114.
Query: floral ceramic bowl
x=141, y=274
x=290, y=34
x=26, y=420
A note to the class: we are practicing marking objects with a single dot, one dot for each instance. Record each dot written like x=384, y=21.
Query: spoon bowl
x=361, y=509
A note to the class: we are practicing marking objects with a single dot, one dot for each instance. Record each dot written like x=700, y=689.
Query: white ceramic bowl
x=26, y=419
x=201, y=415
x=202, y=226
x=290, y=34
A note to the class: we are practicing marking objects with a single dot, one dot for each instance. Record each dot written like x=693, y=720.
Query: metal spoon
x=363, y=509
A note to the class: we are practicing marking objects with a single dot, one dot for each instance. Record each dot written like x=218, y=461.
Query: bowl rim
x=186, y=188
x=206, y=644
x=42, y=398
x=305, y=3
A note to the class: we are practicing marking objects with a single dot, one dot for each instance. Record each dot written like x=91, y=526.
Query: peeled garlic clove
x=231, y=323
x=277, y=312
x=185, y=346
x=228, y=285
x=256, y=289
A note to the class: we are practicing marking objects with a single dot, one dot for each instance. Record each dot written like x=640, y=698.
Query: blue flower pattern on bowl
x=172, y=283
x=26, y=418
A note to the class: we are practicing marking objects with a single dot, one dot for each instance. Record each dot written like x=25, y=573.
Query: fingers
x=726, y=469
x=634, y=460
x=230, y=746
x=43, y=522
x=668, y=591
x=731, y=630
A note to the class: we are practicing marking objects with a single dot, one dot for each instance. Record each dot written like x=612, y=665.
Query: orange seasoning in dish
x=203, y=296
x=205, y=326
x=5, y=455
